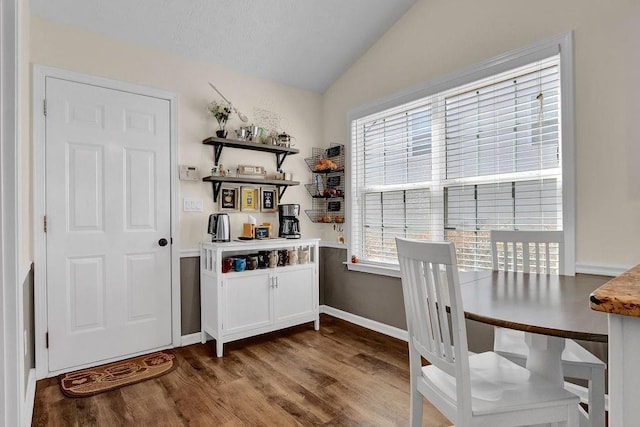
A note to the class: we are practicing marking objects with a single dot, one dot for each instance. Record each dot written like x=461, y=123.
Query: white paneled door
x=108, y=223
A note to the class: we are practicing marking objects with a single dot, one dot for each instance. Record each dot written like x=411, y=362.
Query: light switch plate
x=192, y=205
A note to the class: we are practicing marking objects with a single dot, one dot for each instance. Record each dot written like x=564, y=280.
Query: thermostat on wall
x=189, y=173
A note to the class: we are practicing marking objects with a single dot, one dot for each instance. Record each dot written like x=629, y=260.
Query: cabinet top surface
x=266, y=243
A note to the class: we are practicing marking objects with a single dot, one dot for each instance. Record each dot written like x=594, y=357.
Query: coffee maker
x=289, y=223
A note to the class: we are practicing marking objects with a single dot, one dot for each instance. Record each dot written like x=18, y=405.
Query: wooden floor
x=342, y=375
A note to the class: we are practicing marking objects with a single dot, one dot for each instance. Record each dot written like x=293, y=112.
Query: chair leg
x=596, y=398
x=416, y=407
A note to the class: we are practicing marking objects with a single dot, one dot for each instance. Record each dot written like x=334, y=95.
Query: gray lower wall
x=29, y=325
x=371, y=296
x=190, y=295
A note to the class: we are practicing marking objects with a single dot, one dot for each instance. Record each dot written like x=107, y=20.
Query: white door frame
x=12, y=397
x=40, y=73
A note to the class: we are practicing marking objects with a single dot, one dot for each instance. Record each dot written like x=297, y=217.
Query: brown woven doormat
x=111, y=376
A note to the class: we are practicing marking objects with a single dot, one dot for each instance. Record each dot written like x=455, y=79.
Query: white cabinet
x=294, y=294
x=247, y=302
x=238, y=305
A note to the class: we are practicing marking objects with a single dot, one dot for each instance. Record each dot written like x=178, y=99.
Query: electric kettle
x=219, y=227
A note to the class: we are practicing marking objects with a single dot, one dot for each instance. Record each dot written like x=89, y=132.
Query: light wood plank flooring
x=343, y=375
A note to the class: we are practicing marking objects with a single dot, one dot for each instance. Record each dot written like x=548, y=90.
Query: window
x=461, y=161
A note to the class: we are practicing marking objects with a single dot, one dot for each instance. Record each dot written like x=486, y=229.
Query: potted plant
x=221, y=113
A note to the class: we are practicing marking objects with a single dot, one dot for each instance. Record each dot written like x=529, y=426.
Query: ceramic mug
x=240, y=264
x=273, y=259
x=303, y=255
x=227, y=265
x=252, y=262
x=293, y=257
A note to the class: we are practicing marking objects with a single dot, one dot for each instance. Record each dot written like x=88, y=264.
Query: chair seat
x=497, y=386
x=511, y=344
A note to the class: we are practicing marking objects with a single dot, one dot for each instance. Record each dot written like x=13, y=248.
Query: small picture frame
x=334, y=206
x=269, y=199
x=228, y=199
x=249, y=198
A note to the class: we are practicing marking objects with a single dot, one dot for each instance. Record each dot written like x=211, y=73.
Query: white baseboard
x=29, y=399
x=391, y=331
x=191, y=339
x=602, y=270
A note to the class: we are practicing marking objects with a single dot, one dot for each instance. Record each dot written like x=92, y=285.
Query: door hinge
x=46, y=340
x=44, y=107
x=44, y=223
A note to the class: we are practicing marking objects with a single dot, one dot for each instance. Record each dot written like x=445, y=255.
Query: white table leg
x=545, y=356
x=624, y=372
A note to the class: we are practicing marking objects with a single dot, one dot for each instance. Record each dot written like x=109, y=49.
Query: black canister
x=283, y=257
x=263, y=259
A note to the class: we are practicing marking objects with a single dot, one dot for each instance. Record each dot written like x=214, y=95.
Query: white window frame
x=562, y=45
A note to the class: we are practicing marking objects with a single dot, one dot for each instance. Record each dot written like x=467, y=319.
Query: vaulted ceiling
x=303, y=43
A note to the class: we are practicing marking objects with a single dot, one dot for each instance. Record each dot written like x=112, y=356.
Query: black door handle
x=163, y=242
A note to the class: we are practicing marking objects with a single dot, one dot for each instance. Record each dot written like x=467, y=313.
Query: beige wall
x=438, y=37
x=300, y=111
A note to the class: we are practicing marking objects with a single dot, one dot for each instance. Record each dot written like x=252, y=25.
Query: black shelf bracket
x=280, y=159
x=281, y=190
x=216, y=189
x=217, y=152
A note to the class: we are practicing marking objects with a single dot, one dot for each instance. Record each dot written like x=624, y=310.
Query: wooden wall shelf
x=219, y=143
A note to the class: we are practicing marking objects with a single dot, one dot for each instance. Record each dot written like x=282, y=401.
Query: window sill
x=374, y=269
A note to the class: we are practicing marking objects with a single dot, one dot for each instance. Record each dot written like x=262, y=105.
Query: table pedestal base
x=545, y=356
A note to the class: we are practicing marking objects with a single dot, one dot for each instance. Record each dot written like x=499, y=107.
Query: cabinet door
x=247, y=302
x=295, y=293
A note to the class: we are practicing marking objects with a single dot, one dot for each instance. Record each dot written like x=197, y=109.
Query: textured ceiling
x=303, y=43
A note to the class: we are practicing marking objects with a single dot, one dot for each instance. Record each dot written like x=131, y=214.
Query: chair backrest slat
x=542, y=242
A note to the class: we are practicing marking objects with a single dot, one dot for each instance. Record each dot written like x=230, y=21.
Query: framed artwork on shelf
x=228, y=200
x=249, y=198
x=269, y=199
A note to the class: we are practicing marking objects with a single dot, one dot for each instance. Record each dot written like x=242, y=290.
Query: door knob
x=163, y=242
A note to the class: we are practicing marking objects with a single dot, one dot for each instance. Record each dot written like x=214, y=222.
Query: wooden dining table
x=551, y=307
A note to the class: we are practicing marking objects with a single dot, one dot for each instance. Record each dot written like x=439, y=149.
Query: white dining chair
x=470, y=390
x=532, y=252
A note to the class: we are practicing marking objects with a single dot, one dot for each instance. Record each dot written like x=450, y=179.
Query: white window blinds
x=459, y=163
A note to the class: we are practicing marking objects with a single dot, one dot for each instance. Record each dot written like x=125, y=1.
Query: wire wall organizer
x=327, y=188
